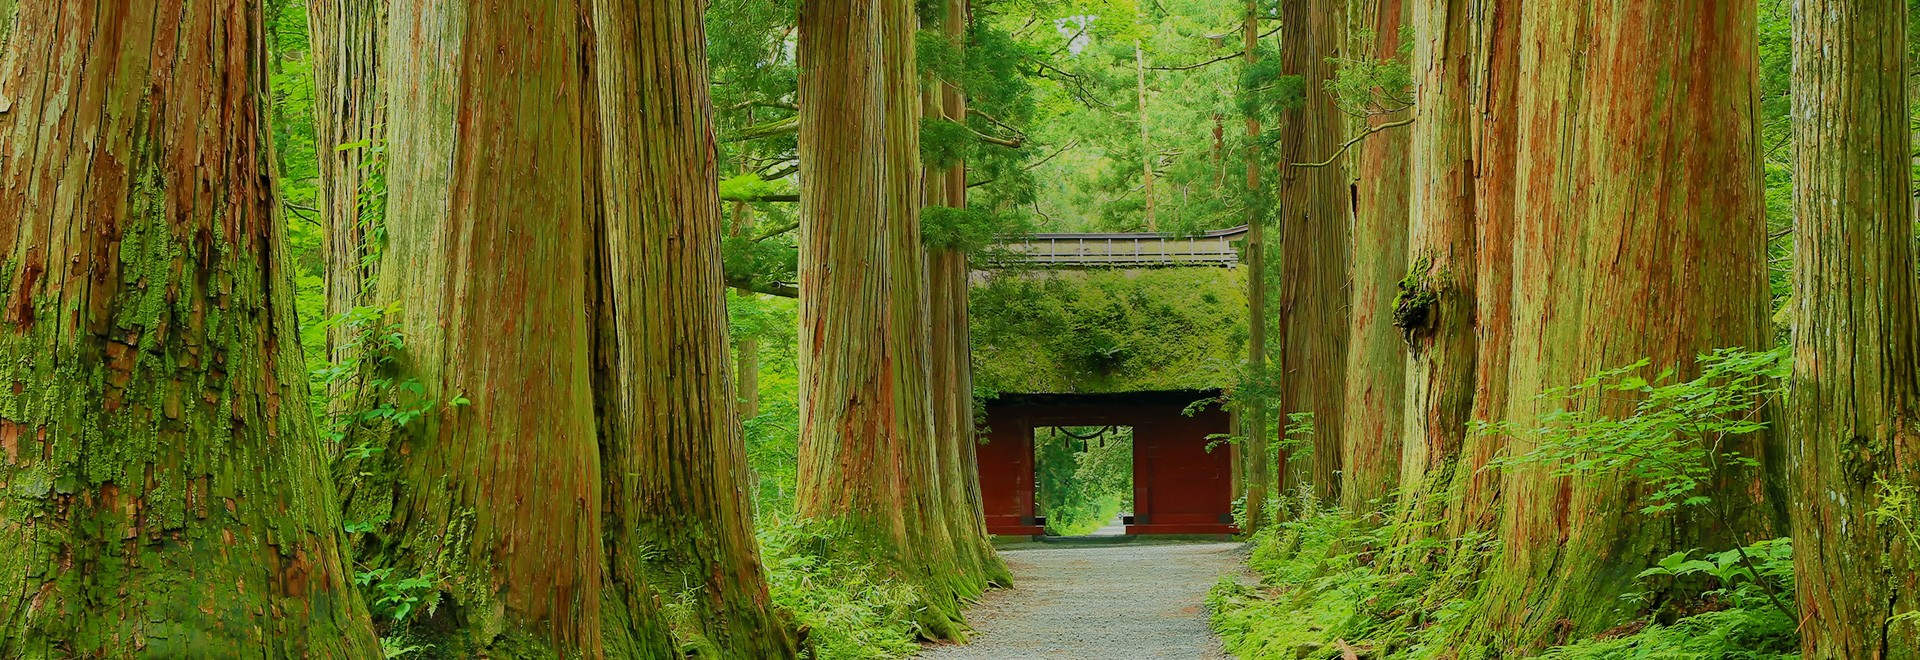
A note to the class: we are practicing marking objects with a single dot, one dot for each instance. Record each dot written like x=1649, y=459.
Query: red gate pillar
x=1006, y=476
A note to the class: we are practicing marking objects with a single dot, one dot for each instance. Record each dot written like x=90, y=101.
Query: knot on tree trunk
x=1414, y=310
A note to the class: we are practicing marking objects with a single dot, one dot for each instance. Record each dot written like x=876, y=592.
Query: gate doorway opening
x=1083, y=479
x=1180, y=486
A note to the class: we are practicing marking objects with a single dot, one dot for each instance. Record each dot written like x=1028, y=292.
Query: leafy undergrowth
x=1326, y=591
x=846, y=609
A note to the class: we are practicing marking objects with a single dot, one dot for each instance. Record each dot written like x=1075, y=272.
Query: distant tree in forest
x=166, y=493
x=949, y=282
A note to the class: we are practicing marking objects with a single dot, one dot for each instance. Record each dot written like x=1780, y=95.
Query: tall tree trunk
x=746, y=360
x=1855, y=408
x=165, y=491
x=1643, y=237
x=910, y=319
x=866, y=422
x=1437, y=301
x=1315, y=232
x=349, y=119
x=948, y=271
x=675, y=484
x=493, y=166
x=1259, y=477
x=1377, y=362
x=1473, y=498
x=1146, y=134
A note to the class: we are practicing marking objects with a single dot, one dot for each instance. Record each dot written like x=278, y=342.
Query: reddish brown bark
x=492, y=165
x=867, y=456
x=1642, y=237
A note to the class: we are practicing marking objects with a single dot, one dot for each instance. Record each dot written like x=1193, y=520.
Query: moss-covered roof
x=1109, y=330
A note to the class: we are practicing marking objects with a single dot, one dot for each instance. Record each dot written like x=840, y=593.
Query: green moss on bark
x=160, y=481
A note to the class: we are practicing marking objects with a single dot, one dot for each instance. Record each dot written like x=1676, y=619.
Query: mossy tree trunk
x=1855, y=408
x=493, y=169
x=948, y=284
x=1377, y=360
x=1437, y=301
x=1259, y=474
x=348, y=38
x=1642, y=237
x=674, y=463
x=867, y=456
x=1315, y=235
x=164, y=490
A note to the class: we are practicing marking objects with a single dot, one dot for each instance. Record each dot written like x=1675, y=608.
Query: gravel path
x=1134, y=601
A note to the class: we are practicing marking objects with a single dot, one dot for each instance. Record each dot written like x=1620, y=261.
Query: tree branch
x=769, y=129
x=779, y=289
x=1356, y=139
x=778, y=231
x=1190, y=67
x=767, y=197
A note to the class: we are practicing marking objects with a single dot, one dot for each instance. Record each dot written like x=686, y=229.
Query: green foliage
x=1899, y=511
x=395, y=599
x=1084, y=475
x=1730, y=616
x=1108, y=331
x=850, y=609
x=1327, y=587
x=1676, y=434
x=1364, y=86
x=371, y=394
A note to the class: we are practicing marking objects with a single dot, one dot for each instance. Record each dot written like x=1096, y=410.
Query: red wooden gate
x=1178, y=486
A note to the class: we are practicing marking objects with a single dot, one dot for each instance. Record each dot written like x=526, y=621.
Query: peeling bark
x=163, y=491
x=866, y=419
x=349, y=41
x=1474, y=495
x=1437, y=300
